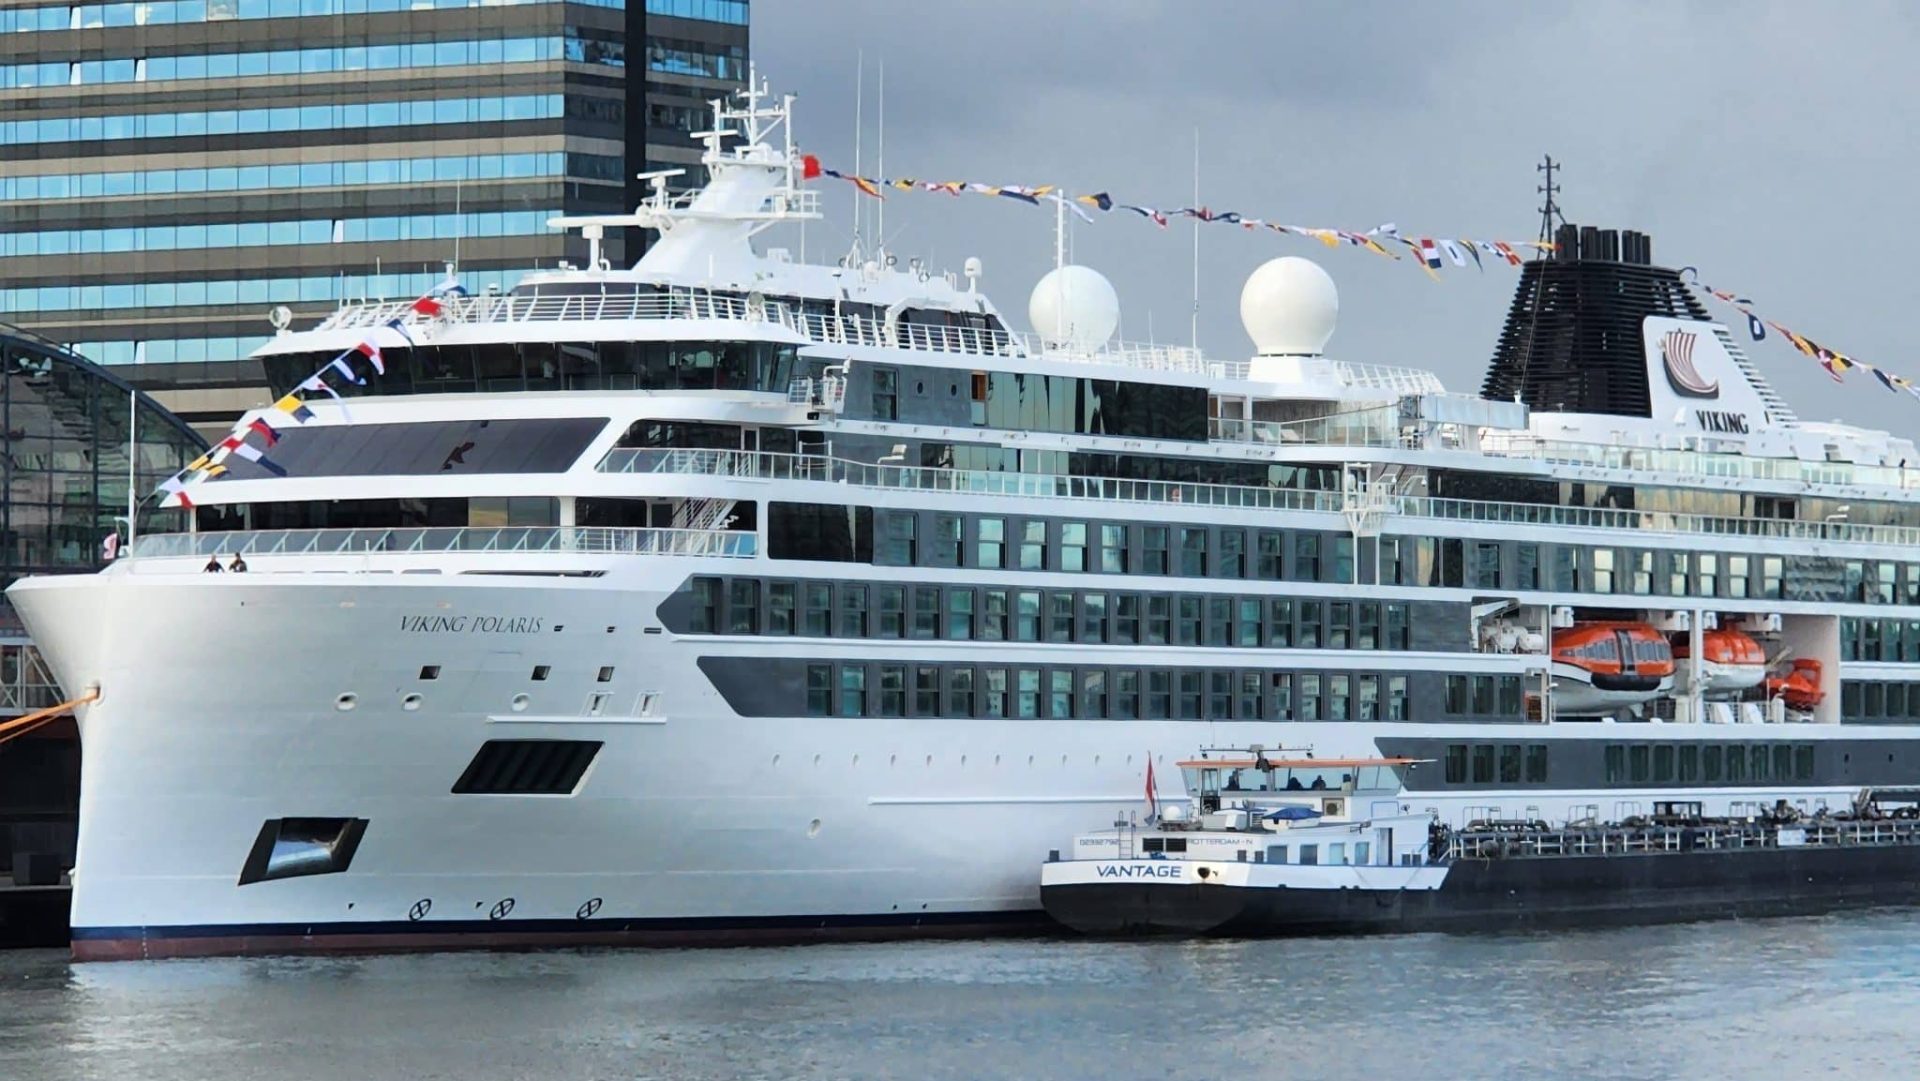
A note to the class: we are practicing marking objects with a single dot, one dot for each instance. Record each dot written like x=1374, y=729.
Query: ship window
x=1249, y=705
x=1269, y=546
x=1073, y=546
x=1663, y=763
x=1736, y=764
x=1280, y=696
x=1093, y=617
x=1782, y=761
x=899, y=546
x=831, y=532
x=1126, y=694
x=429, y=671
x=816, y=612
x=1340, y=625
x=1510, y=696
x=926, y=611
x=1396, y=698
x=1526, y=566
x=1876, y=698
x=1736, y=576
x=1307, y=635
x=1060, y=617
x=1710, y=762
x=1276, y=853
x=1309, y=855
x=1246, y=622
x=1483, y=703
x=853, y=690
x=297, y=847
x=1803, y=762
x=989, y=548
x=819, y=690
x=1219, y=621
x=1536, y=763
x=1187, y=624
x=993, y=696
x=1603, y=570
x=960, y=691
x=1483, y=763
x=1770, y=576
x=1189, y=705
x=1456, y=694
x=780, y=607
x=1176, y=844
x=1153, y=549
x=743, y=606
x=541, y=671
x=706, y=606
x=1339, y=698
x=527, y=767
x=1113, y=549
x=852, y=611
x=1193, y=551
x=1306, y=557
x=886, y=394
x=1060, y=693
x=1616, y=757
x=429, y=448
x=1093, y=692
x=893, y=690
x=1689, y=764
x=1126, y=619
x=1639, y=763
x=1896, y=700
x=1159, y=695
x=605, y=674
x=1220, y=696
x=926, y=691
x=1279, y=622
x=959, y=614
x=946, y=540
x=1510, y=763
x=1026, y=615
x=1758, y=762
x=1337, y=853
x=1027, y=693
x=1486, y=565
x=993, y=616
x=1033, y=546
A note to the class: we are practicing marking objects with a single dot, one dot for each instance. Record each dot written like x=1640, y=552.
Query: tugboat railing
x=1709, y=836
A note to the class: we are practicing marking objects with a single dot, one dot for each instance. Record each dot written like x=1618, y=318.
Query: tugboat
x=1300, y=846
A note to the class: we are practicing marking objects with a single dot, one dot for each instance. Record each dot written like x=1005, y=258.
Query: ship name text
x=471, y=624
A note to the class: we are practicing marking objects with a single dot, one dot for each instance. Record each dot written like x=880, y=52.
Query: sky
x=1759, y=142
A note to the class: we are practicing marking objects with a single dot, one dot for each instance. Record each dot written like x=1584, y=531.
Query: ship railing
x=508, y=309
x=1355, y=428
x=767, y=465
x=1713, y=836
x=1389, y=380
x=434, y=539
x=1706, y=464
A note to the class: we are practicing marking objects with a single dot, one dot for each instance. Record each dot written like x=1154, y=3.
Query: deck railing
x=583, y=539
x=807, y=467
x=1718, y=465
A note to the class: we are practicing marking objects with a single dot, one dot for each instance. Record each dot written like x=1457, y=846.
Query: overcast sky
x=1767, y=144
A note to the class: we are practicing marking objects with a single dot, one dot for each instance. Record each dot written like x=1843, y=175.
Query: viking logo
x=1676, y=349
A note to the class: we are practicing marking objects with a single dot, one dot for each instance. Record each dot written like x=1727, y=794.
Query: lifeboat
x=1599, y=668
x=1799, y=686
x=1730, y=662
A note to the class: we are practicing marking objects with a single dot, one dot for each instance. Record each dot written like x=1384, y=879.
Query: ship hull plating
x=1533, y=893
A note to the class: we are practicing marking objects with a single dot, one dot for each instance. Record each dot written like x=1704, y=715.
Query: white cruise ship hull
x=220, y=709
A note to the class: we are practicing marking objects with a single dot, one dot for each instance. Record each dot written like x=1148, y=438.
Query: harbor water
x=1831, y=996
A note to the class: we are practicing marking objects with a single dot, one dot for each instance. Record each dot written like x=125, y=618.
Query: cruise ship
x=732, y=597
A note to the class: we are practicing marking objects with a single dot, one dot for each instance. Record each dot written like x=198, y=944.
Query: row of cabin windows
x=1484, y=695
x=1029, y=402
x=976, y=614
x=1866, y=701
x=910, y=539
x=1708, y=763
x=1496, y=763
x=1879, y=639
x=914, y=538
x=856, y=689
x=1309, y=855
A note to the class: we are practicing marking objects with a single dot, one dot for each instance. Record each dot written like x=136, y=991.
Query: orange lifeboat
x=1799, y=687
x=1730, y=660
x=1604, y=666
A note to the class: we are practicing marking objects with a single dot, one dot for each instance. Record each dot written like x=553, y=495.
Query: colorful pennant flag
x=261, y=428
x=255, y=455
x=292, y=406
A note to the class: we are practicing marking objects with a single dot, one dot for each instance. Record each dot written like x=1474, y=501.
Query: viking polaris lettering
x=755, y=645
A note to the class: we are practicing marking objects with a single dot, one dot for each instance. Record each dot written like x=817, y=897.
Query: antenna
x=1550, y=209
x=459, y=227
x=880, y=212
x=859, y=95
x=1059, y=229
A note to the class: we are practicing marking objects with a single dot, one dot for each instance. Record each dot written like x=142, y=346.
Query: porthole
x=776, y=760
x=929, y=761
x=813, y=828
x=520, y=703
x=816, y=759
x=411, y=702
x=346, y=702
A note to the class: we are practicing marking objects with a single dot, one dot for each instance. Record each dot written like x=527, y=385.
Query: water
x=1836, y=996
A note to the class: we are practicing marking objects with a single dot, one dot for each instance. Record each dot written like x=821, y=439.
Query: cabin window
x=1309, y=855
x=926, y=612
x=1526, y=566
x=1396, y=698
x=1367, y=627
x=1616, y=759
x=1457, y=694
x=1483, y=701
x=853, y=691
x=1510, y=763
x=1510, y=696
x=1483, y=763
x=1193, y=551
x=1689, y=764
x=899, y=545
x=959, y=614
x=1187, y=626
x=1093, y=692
x=1566, y=568
x=993, y=616
x=853, y=611
x=1337, y=853
x=1126, y=694
x=1249, y=704
x=960, y=691
x=705, y=617
x=926, y=691
x=1711, y=757
x=993, y=700
x=1189, y=705
x=1399, y=633
x=1309, y=697
x=1113, y=549
x=1033, y=546
x=1219, y=621
x=1536, y=763
x=819, y=690
x=1093, y=617
x=1219, y=696
x=1073, y=546
x=1340, y=625
x=1159, y=695
x=1803, y=762
x=1280, y=696
x=1307, y=633
x=1456, y=763
x=1270, y=554
x=1782, y=761
x=1758, y=763
x=989, y=546
x=1362, y=853
x=1246, y=622
x=1736, y=576
x=1639, y=763
x=1603, y=570
x=1060, y=693
x=1125, y=628
x=1159, y=619
x=1770, y=576
x=886, y=394
x=1486, y=565
x=1736, y=764
x=1153, y=549
x=1663, y=763
x=817, y=609
x=1027, y=693
x=893, y=690
x=892, y=610
x=1276, y=853
x=1339, y=698
x=1279, y=622
x=1026, y=615
x=1060, y=617
x=743, y=606
x=1368, y=702
x=1233, y=554
x=1342, y=559
x=780, y=607
x=1306, y=557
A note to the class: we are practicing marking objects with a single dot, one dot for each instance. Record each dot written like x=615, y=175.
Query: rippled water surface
x=1829, y=997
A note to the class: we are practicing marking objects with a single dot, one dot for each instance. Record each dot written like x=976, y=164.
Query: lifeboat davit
x=1601, y=667
x=1730, y=660
x=1799, y=687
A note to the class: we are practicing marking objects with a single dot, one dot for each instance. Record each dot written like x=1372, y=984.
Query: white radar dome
x=1075, y=307
x=1289, y=306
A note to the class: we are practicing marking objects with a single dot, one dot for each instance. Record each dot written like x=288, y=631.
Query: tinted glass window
x=456, y=447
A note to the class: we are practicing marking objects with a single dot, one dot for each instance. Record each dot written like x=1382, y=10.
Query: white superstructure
x=732, y=596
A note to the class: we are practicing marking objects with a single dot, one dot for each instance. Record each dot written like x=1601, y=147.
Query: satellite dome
x=1074, y=307
x=1289, y=306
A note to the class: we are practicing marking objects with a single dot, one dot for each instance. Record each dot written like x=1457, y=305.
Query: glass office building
x=170, y=171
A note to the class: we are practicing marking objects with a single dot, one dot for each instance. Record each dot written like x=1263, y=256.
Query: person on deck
x=213, y=564
x=239, y=566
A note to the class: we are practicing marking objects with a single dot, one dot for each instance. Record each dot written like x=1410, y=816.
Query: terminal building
x=71, y=427
x=173, y=170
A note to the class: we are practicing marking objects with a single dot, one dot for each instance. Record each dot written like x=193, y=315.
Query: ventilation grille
x=527, y=767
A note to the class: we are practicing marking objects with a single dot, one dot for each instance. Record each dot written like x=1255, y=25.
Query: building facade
x=171, y=171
